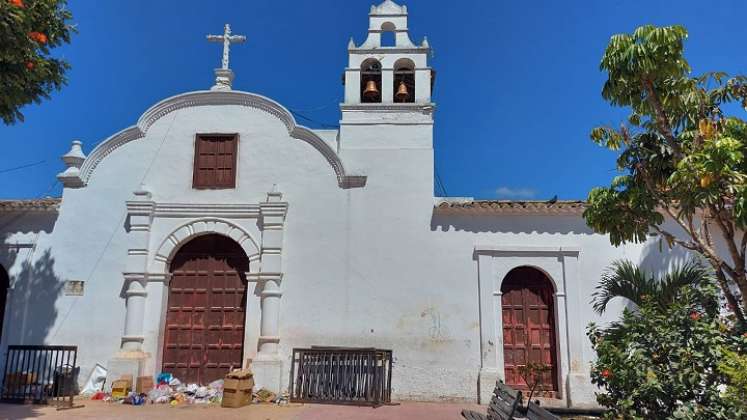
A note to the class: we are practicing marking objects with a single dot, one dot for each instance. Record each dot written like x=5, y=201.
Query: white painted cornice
x=527, y=250
x=233, y=211
x=203, y=98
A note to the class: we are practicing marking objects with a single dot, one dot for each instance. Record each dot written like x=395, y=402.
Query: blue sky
x=517, y=88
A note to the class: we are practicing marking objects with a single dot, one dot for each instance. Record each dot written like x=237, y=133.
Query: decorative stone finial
x=425, y=43
x=73, y=159
x=142, y=193
x=351, y=43
x=274, y=195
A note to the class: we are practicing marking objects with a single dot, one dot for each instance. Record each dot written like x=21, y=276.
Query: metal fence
x=340, y=375
x=41, y=375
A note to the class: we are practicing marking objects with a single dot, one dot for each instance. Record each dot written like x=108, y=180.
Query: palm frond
x=689, y=274
x=622, y=279
x=625, y=279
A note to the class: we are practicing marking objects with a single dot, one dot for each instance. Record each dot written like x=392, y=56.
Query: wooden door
x=206, y=310
x=529, y=326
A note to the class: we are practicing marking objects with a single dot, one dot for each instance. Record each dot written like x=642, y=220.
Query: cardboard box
x=240, y=374
x=237, y=392
x=120, y=388
x=144, y=384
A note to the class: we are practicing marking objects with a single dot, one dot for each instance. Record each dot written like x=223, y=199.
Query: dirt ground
x=102, y=410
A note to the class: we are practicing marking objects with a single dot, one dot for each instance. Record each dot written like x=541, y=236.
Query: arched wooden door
x=529, y=333
x=206, y=310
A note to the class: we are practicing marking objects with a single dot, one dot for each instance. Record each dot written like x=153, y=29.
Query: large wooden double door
x=206, y=310
x=528, y=310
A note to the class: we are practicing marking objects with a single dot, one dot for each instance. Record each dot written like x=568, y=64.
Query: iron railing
x=41, y=375
x=341, y=375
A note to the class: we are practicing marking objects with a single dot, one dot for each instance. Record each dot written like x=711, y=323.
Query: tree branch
x=731, y=300
x=661, y=117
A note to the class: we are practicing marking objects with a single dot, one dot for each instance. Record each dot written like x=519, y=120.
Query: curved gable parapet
x=205, y=98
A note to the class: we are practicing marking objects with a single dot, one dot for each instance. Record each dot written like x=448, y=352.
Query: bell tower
x=388, y=67
x=386, y=130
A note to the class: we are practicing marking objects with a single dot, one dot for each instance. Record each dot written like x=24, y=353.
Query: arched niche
x=404, y=81
x=371, y=81
x=388, y=35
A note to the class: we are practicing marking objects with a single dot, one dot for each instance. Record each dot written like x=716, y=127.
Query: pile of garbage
x=170, y=390
x=174, y=392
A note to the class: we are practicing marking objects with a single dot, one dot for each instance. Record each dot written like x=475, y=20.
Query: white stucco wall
x=371, y=266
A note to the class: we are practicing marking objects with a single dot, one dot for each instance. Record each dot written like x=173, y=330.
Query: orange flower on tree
x=17, y=3
x=694, y=316
x=30, y=65
x=38, y=37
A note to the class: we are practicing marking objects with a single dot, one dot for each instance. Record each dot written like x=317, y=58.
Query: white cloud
x=515, y=193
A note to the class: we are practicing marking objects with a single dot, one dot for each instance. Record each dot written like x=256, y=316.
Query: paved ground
x=102, y=410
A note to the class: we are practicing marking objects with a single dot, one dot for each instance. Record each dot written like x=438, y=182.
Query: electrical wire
x=28, y=165
x=117, y=227
x=439, y=183
x=321, y=124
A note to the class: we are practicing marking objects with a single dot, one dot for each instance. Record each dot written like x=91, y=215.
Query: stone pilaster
x=268, y=364
x=130, y=358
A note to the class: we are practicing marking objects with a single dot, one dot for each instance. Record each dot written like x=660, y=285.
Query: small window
x=215, y=162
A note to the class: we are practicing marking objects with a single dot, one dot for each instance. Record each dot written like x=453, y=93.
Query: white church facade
x=217, y=229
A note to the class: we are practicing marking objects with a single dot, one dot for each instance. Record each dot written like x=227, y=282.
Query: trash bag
x=164, y=378
x=160, y=394
x=216, y=385
x=95, y=382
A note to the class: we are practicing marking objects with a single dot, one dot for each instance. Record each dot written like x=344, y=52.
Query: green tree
x=665, y=361
x=681, y=157
x=734, y=366
x=29, y=30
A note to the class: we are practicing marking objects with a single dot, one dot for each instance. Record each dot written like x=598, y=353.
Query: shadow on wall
x=510, y=224
x=32, y=310
x=657, y=258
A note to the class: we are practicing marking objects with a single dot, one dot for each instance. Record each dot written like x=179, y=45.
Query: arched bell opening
x=205, y=318
x=529, y=329
x=371, y=81
x=388, y=35
x=404, y=81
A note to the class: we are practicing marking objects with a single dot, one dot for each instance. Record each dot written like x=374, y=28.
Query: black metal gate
x=40, y=375
x=341, y=375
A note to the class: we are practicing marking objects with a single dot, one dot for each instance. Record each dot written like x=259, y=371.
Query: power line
x=28, y=165
x=319, y=108
x=321, y=124
x=439, y=182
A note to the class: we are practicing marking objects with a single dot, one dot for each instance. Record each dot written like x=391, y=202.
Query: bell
x=402, y=94
x=371, y=91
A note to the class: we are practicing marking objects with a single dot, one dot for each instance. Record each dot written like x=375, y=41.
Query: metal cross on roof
x=227, y=39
